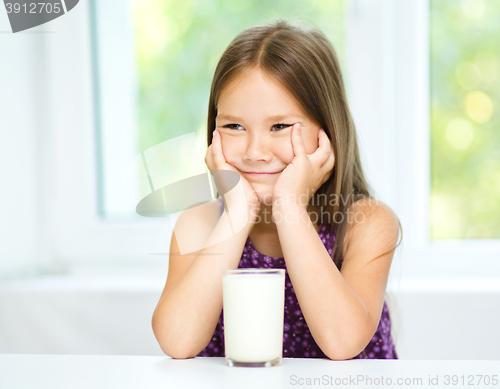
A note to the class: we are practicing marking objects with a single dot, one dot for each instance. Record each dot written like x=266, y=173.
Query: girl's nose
x=257, y=149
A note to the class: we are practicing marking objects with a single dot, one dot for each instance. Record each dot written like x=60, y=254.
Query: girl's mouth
x=261, y=174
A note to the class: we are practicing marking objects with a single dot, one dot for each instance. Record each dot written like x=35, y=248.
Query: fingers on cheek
x=311, y=145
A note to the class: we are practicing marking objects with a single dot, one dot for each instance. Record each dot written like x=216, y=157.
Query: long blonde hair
x=305, y=63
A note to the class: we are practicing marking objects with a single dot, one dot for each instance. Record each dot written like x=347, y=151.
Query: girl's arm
x=191, y=302
x=342, y=309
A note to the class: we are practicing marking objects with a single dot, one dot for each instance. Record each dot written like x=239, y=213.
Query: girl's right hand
x=215, y=160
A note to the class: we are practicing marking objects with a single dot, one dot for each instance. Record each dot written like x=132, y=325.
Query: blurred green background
x=178, y=45
x=465, y=128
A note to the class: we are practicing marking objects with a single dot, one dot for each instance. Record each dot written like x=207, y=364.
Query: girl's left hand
x=306, y=173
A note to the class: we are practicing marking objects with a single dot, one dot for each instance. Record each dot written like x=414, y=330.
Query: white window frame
x=81, y=240
x=388, y=92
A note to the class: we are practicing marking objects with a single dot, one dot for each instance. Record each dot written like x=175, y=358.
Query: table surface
x=116, y=371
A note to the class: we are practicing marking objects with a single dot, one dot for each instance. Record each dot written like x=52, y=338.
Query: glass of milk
x=253, y=306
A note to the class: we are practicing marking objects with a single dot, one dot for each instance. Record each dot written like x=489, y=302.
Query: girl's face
x=255, y=115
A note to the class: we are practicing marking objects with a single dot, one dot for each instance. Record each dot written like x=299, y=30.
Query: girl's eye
x=233, y=124
x=283, y=126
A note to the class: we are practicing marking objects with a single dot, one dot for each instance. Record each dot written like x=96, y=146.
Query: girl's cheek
x=231, y=150
x=289, y=158
x=311, y=142
x=284, y=150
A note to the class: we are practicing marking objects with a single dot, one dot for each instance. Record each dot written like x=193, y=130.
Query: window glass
x=153, y=66
x=178, y=44
x=465, y=127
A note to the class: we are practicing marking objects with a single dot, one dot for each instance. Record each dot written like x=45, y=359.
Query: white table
x=27, y=371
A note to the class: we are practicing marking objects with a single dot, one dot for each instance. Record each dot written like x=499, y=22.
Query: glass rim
x=259, y=271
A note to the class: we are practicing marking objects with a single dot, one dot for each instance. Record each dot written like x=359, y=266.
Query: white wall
x=112, y=315
x=447, y=323
x=79, y=315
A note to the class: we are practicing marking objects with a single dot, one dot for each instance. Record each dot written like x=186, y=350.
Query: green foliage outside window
x=465, y=127
x=178, y=44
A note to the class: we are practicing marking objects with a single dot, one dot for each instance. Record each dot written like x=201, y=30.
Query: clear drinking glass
x=253, y=306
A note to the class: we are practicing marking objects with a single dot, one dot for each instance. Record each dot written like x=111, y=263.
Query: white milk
x=253, y=304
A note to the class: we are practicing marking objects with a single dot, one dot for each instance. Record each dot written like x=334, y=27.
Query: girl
x=278, y=116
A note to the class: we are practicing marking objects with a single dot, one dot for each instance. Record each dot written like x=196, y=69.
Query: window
x=386, y=61
x=155, y=63
x=465, y=136
x=389, y=58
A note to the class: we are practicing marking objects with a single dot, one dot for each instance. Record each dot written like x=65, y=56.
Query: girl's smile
x=255, y=118
x=261, y=174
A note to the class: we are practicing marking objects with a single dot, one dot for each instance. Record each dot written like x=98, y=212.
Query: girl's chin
x=265, y=197
x=267, y=200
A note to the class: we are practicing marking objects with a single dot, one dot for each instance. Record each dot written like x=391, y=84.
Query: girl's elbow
x=342, y=352
x=180, y=353
x=175, y=348
x=340, y=355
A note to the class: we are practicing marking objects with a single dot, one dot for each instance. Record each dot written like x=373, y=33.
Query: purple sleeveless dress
x=297, y=339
